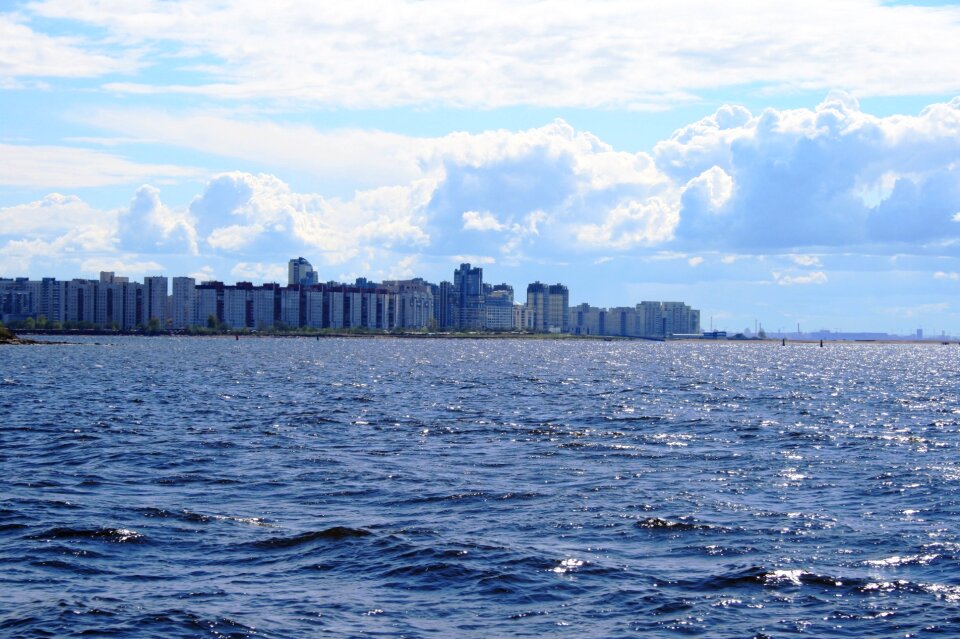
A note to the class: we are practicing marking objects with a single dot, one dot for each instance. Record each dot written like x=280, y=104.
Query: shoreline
x=19, y=340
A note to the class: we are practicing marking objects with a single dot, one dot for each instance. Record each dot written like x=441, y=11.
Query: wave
x=336, y=533
x=681, y=524
x=111, y=535
x=764, y=577
x=200, y=518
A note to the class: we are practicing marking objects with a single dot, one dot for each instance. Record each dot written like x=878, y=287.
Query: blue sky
x=781, y=162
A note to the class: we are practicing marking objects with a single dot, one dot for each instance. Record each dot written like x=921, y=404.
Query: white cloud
x=53, y=215
x=714, y=185
x=240, y=212
x=806, y=260
x=780, y=180
x=695, y=261
x=795, y=178
x=204, y=274
x=947, y=275
x=480, y=221
x=56, y=227
x=632, y=224
x=234, y=237
x=25, y=53
x=473, y=259
x=70, y=167
x=404, y=268
x=121, y=265
x=498, y=53
x=784, y=278
x=259, y=272
x=733, y=186
x=362, y=157
x=150, y=226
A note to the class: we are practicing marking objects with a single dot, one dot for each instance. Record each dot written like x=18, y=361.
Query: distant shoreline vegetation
x=198, y=331
x=8, y=337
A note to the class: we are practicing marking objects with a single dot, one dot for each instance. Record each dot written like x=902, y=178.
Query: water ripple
x=275, y=488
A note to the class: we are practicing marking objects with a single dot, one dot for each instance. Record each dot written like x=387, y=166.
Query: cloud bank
x=805, y=184
x=832, y=176
x=619, y=54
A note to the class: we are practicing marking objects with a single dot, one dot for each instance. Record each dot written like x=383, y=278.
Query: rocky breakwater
x=9, y=337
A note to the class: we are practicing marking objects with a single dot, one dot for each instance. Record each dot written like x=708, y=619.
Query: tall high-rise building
x=678, y=318
x=183, y=305
x=208, y=304
x=299, y=271
x=468, y=313
x=291, y=310
x=520, y=321
x=155, y=295
x=109, y=310
x=81, y=301
x=588, y=320
x=498, y=305
x=663, y=319
x=558, y=317
x=548, y=308
x=134, y=306
x=414, y=302
x=537, y=307
x=443, y=306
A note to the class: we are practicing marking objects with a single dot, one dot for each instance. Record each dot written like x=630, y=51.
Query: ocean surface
x=207, y=487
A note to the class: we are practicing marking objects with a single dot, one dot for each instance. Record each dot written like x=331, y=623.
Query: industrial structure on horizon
x=466, y=304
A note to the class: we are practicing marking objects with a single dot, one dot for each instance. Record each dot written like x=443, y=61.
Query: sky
x=787, y=164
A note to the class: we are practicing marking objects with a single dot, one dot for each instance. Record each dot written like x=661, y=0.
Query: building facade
x=498, y=308
x=468, y=312
x=415, y=303
x=300, y=272
x=183, y=306
x=548, y=308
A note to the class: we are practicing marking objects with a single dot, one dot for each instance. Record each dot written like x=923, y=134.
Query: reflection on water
x=165, y=487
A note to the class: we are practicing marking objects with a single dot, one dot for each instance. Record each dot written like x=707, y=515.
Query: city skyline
x=467, y=304
x=767, y=162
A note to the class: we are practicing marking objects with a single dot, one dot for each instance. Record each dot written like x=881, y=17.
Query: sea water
x=209, y=487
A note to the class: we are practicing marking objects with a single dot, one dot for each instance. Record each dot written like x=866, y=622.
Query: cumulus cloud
x=50, y=216
x=548, y=190
x=778, y=181
x=631, y=224
x=799, y=178
x=796, y=185
x=53, y=228
x=149, y=226
x=241, y=212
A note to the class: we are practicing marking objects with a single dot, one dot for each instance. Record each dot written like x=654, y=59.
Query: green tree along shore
x=9, y=337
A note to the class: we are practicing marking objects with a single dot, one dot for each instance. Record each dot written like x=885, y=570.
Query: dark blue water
x=413, y=488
